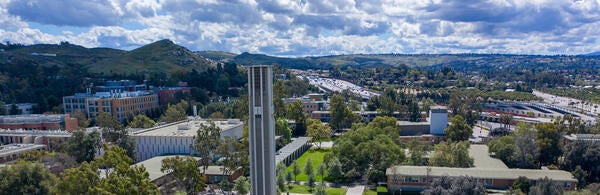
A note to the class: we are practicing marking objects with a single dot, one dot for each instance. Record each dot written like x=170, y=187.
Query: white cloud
x=316, y=27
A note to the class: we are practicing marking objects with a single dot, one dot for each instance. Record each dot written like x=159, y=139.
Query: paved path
x=355, y=190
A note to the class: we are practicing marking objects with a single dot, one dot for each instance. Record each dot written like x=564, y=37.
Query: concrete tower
x=261, y=127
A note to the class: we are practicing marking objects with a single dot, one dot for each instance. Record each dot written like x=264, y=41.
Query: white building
x=178, y=137
x=438, y=117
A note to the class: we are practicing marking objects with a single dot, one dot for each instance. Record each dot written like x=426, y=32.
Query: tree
x=280, y=178
x=580, y=175
x=526, y=152
x=83, y=146
x=455, y=185
x=308, y=167
x=288, y=178
x=25, y=177
x=185, y=172
x=334, y=168
x=207, y=142
x=242, y=185
x=545, y=186
x=120, y=177
x=14, y=110
x=583, y=154
x=79, y=180
x=82, y=120
x=369, y=149
x=413, y=110
x=296, y=113
x=318, y=131
x=548, y=143
x=504, y=149
x=341, y=115
x=321, y=190
x=217, y=115
x=175, y=113
x=141, y=121
x=451, y=155
x=112, y=130
x=311, y=181
x=506, y=119
x=417, y=149
x=458, y=130
x=2, y=108
x=296, y=169
x=522, y=184
x=321, y=171
x=283, y=129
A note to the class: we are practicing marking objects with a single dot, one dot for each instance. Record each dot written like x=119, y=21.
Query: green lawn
x=316, y=157
x=380, y=190
x=302, y=189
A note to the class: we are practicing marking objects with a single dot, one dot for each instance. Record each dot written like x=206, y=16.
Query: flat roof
x=187, y=128
x=409, y=123
x=481, y=173
x=482, y=159
x=10, y=149
x=583, y=137
x=290, y=148
x=154, y=164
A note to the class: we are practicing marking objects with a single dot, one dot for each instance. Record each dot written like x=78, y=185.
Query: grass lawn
x=379, y=190
x=302, y=189
x=316, y=157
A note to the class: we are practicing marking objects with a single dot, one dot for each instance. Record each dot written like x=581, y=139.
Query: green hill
x=160, y=56
x=58, y=54
x=219, y=56
x=460, y=61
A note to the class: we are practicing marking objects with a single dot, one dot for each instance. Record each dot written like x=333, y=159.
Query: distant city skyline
x=312, y=27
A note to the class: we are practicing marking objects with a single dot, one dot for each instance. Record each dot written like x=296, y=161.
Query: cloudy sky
x=312, y=27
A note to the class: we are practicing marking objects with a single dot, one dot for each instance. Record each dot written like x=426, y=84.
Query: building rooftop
x=187, y=128
x=153, y=166
x=124, y=94
x=10, y=149
x=407, y=123
x=482, y=159
x=482, y=173
x=583, y=137
x=290, y=148
x=31, y=118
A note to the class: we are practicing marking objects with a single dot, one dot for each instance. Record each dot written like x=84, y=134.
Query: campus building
x=11, y=152
x=261, y=127
x=121, y=105
x=417, y=178
x=492, y=171
x=24, y=108
x=122, y=85
x=38, y=122
x=168, y=95
x=178, y=137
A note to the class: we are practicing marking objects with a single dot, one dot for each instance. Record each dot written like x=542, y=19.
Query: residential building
x=121, y=105
x=178, y=137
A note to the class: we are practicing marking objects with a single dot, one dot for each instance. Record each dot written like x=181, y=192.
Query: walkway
x=355, y=190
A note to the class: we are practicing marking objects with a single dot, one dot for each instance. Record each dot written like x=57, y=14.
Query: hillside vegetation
x=458, y=61
x=160, y=56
